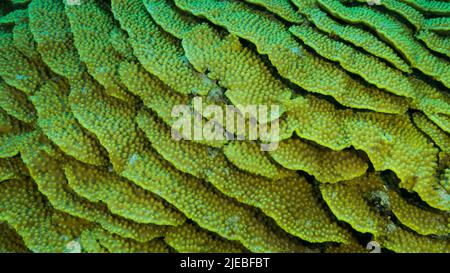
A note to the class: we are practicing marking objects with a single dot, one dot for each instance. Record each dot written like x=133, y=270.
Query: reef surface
x=88, y=162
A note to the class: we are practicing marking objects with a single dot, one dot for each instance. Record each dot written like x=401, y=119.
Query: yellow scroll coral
x=90, y=160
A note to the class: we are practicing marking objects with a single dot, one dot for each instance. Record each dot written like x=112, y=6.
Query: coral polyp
x=89, y=161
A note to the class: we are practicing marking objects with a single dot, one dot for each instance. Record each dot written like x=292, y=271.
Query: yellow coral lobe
x=352, y=34
x=404, y=241
x=57, y=121
x=121, y=196
x=247, y=79
x=396, y=33
x=439, y=136
x=249, y=157
x=107, y=242
x=423, y=221
x=189, y=238
x=354, y=202
x=55, y=40
x=12, y=168
x=17, y=70
x=94, y=47
x=325, y=165
x=24, y=42
x=30, y=214
x=281, y=8
x=430, y=6
x=159, y=53
x=435, y=42
x=16, y=104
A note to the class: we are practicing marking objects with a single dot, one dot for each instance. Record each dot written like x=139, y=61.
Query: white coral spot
x=297, y=51
x=73, y=2
x=133, y=159
x=185, y=60
x=206, y=80
x=73, y=246
x=21, y=77
x=374, y=2
x=390, y=227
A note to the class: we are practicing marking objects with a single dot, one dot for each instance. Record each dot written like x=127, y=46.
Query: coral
x=106, y=242
x=88, y=158
x=296, y=154
x=30, y=214
x=48, y=173
x=352, y=34
x=158, y=52
x=409, y=13
x=438, y=25
x=423, y=221
x=59, y=124
x=397, y=34
x=12, y=168
x=367, y=67
x=17, y=70
x=441, y=139
x=16, y=103
x=282, y=8
x=403, y=240
x=440, y=44
x=191, y=238
x=354, y=202
x=55, y=40
x=270, y=196
x=24, y=41
x=237, y=69
x=94, y=45
x=248, y=156
x=122, y=197
x=292, y=61
x=10, y=241
x=430, y=6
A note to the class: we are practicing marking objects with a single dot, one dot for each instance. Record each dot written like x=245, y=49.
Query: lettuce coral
x=88, y=162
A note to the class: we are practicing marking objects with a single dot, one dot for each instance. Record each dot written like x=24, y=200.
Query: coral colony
x=95, y=157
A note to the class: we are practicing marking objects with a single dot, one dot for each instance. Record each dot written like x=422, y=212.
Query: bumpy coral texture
x=88, y=163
